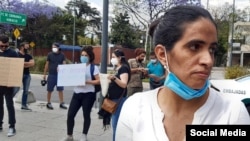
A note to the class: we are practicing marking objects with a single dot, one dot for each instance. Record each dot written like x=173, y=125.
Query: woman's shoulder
x=124, y=68
x=145, y=99
x=227, y=102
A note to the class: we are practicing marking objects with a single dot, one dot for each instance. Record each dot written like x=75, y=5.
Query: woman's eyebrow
x=197, y=41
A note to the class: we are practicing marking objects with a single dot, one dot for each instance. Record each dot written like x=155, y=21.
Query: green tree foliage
x=122, y=32
x=47, y=23
x=91, y=16
x=223, y=16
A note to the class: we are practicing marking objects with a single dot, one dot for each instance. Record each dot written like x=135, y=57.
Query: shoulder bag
x=109, y=105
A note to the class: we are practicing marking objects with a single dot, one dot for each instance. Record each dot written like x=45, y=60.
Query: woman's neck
x=172, y=103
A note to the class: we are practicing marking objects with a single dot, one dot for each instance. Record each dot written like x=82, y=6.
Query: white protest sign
x=71, y=74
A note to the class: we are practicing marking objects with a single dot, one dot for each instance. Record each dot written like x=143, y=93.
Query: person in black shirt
x=7, y=92
x=28, y=62
x=118, y=84
x=54, y=58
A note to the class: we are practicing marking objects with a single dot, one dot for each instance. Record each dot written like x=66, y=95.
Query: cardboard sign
x=11, y=71
x=71, y=75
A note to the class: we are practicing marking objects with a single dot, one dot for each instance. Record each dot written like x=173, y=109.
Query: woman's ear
x=160, y=54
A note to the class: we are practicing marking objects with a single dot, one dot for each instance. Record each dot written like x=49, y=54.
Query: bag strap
x=92, y=68
x=121, y=97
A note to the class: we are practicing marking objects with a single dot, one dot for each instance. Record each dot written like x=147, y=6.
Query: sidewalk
x=50, y=125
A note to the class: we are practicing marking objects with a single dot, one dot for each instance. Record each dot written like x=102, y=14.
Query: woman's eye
x=194, y=47
x=212, y=49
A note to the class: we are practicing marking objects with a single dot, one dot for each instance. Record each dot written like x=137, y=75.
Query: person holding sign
x=54, y=58
x=5, y=91
x=185, y=41
x=84, y=96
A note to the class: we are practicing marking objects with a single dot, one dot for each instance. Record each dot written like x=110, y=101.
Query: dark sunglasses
x=1, y=46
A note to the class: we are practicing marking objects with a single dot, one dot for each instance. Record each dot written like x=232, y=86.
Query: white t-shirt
x=87, y=87
x=141, y=117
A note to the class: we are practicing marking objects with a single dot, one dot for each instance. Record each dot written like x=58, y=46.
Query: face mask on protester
x=114, y=61
x=84, y=59
x=181, y=89
x=153, y=60
x=140, y=60
x=54, y=49
x=25, y=51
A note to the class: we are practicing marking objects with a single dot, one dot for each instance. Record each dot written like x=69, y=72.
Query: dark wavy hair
x=124, y=62
x=90, y=52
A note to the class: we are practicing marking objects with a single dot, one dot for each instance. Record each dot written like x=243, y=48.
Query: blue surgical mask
x=181, y=89
x=84, y=59
x=153, y=60
x=187, y=93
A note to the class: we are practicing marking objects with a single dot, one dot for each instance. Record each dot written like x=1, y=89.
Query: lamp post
x=74, y=32
x=232, y=35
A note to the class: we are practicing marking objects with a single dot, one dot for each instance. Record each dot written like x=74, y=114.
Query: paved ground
x=50, y=125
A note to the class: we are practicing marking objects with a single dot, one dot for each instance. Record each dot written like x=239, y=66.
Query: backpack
x=97, y=87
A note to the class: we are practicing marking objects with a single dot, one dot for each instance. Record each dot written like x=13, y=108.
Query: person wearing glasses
x=7, y=92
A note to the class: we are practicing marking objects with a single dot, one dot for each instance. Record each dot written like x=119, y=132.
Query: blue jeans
x=26, y=86
x=115, y=116
x=154, y=85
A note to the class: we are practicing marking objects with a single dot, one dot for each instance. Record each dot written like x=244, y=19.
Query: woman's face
x=192, y=57
x=84, y=53
x=118, y=58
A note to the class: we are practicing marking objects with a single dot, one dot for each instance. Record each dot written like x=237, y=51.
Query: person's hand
x=111, y=77
x=145, y=71
x=157, y=79
x=141, y=69
x=44, y=77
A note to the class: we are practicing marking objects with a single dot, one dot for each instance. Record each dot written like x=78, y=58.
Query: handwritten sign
x=71, y=75
x=11, y=71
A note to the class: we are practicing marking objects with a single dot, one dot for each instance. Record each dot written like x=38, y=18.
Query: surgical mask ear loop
x=166, y=66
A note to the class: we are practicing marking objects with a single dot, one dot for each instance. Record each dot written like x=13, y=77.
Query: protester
x=54, y=58
x=84, y=96
x=156, y=72
x=7, y=92
x=117, y=87
x=28, y=62
x=185, y=41
x=138, y=72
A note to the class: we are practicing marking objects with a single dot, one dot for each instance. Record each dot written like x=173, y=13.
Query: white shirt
x=87, y=87
x=141, y=117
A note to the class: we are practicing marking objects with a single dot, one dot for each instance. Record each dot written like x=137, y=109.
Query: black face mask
x=140, y=60
x=25, y=51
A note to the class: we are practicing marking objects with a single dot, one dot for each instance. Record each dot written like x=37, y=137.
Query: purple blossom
x=31, y=9
x=187, y=2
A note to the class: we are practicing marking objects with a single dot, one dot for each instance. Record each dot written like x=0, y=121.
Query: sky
x=99, y=3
